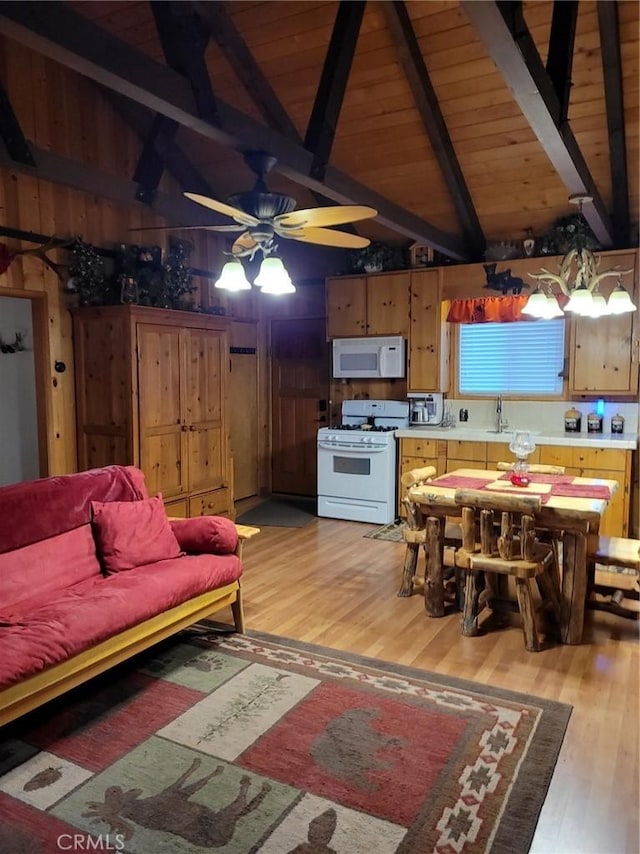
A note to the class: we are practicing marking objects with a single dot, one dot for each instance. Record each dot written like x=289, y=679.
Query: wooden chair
x=604, y=552
x=421, y=532
x=534, y=468
x=515, y=551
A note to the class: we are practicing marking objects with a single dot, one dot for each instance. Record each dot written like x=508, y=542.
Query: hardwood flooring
x=328, y=584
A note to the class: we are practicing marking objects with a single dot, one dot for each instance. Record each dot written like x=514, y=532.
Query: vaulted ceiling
x=461, y=122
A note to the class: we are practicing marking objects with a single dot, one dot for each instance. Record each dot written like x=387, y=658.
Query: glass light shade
x=619, y=301
x=599, y=307
x=580, y=301
x=537, y=305
x=233, y=278
x=273, y=277
x=553, y=306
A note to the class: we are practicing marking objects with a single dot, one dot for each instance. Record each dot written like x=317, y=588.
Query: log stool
x=515, y=551
x=612, y=552
x=430, y=534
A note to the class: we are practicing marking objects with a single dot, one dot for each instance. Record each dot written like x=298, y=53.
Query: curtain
x=488, y=310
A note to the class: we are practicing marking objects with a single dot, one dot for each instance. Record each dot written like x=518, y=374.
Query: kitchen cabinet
x=428, y=360
x=368, y=305
x=151, y=389
x=604, y=351
x=466, y=455
x=418, y=453
x=609, y=463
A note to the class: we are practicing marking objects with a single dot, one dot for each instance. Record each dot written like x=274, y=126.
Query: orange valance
x=488, y=310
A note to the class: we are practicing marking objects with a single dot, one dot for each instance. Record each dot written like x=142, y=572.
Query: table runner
x=561, y=486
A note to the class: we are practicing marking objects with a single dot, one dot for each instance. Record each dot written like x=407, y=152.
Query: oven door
x=357, y=482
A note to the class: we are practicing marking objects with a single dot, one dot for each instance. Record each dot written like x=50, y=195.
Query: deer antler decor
x=7, y=256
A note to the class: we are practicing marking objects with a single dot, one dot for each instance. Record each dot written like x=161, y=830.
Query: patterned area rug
x=258, y=744
x=391, y=531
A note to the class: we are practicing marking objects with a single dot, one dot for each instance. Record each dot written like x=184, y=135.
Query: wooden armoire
x=151, y=391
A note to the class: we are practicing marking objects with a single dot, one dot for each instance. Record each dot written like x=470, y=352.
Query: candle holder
x=521, y=446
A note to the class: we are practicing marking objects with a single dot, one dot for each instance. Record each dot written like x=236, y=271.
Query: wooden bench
x=603, y=552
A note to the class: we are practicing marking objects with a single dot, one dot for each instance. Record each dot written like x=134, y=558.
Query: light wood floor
x=327, y=584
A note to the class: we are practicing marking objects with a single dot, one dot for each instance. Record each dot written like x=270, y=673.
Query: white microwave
x=365, y=358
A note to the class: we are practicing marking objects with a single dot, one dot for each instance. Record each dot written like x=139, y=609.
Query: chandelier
x=272, y=278
x=578, y=279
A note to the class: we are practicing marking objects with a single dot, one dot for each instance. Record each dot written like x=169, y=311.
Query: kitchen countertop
x=622, y=441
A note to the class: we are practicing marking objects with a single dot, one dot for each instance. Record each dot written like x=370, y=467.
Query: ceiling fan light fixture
x=273, y=277
x=233, y=278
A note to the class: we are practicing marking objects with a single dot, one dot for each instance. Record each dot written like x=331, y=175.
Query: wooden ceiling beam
x=150, y=166
x=223, y=31
x=408, y=48
x=614, y=101
x=54, y=30
x=501, y=28
x=327, y=105
x=561, y=46
x=11, y=132
x=85, y=177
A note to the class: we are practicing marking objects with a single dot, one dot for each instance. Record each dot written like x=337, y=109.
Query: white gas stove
x=357, y=469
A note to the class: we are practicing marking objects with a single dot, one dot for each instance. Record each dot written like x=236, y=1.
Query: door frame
x=41, y=356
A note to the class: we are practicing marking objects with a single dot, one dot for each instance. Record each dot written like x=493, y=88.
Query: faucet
x=500, y=424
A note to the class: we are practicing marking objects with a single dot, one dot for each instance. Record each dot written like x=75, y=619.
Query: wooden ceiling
x=458, y=121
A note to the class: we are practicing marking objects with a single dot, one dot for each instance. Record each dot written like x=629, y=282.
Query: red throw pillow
x=133, y=533
x=206, y=534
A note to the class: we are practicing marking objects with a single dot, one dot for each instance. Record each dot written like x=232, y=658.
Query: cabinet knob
x=184, y=428
x=193, y=428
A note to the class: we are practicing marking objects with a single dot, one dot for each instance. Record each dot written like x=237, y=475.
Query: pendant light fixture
x=578, y=279
x=271, y=279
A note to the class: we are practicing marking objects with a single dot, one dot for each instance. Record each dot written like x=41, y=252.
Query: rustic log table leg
x=434, y=585
x=574, y=585
x=415, y=524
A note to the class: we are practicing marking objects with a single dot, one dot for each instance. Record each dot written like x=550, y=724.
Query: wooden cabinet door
x=428, y=336
x=163, y=428
x=204, y=394
x=388, y=304
x=604, y=350
x=346, y=307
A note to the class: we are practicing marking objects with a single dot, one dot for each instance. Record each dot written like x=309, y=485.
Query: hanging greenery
x=563, y=236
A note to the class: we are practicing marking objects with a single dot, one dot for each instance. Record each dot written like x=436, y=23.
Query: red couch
x=63, y=618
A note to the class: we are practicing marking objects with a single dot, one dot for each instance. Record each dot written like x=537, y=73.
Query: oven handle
x=355, y=449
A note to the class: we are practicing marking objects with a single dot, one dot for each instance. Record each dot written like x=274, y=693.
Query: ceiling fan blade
x=244, y=245
x=319, y=217
x=327, y=237
x=221, y=207
x=190, y=228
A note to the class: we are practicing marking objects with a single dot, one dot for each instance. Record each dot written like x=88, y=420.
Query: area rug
x=281, y=513
x=252, y=743
x=391, y=531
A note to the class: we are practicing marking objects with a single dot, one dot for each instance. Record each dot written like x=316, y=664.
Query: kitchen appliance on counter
x=426, y=409
x=357, y=468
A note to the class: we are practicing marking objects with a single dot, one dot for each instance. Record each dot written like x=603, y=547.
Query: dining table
x=571, y=510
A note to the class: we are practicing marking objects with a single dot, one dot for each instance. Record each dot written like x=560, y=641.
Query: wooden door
x=163, y=427
x=300, y=385
x=243, y=409
x=388, y=304
x=205, y=389
x=346, y=307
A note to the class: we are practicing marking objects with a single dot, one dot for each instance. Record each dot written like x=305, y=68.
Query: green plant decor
x=87, y=276
x=563, y=236
x=378, y=256
x=178, y=283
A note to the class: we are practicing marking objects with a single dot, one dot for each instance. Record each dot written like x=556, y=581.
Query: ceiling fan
x=261, y=215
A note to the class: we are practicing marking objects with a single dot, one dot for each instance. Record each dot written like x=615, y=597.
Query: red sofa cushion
x=208, y=534
x=43, y=508
x=41, y=569
x=96, y=609
x=133, y=533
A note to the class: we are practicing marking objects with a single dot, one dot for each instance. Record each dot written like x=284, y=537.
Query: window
x=511, y=358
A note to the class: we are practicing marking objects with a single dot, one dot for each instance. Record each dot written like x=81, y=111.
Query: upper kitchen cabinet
x=368, y=305
x=604, y=351
x=428, y=335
